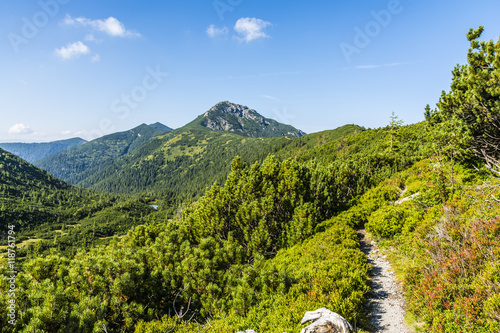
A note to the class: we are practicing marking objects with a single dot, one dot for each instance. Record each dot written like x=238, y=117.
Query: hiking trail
x=385, y=300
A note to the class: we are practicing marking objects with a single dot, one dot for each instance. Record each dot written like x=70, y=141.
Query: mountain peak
x=237, y=110
x=239, y=119
x=160, y=127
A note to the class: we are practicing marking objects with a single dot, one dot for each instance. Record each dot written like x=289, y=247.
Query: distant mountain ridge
x=239, y=119
x=73, y=164
x=32, y=152
x=160, y=127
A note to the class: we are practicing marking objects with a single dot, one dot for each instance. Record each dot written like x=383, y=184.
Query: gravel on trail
x=386, y=300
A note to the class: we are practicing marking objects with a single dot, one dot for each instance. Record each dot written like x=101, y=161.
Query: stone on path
x=325, y=321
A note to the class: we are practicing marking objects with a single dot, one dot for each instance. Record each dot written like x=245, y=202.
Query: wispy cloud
x=214, y=32
x=72, y=50
x=250, y=29
x=283, y=116
x=90, y=38
x=111, y=26
x=272, y=98
x=20, y=129
x=269, y=74
x=96, y=58
x=381, y=66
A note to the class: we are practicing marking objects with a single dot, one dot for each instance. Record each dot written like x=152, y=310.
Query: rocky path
x=386, y=299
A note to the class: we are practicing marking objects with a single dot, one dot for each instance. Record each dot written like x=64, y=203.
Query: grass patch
x=111, y=237
x=414, y=324
x=28, y=242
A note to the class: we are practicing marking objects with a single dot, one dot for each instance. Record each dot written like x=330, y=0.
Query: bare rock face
x=217, y=117
x=325, y=321
x=239, y=119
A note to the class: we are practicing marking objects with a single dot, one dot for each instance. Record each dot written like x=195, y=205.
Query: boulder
x=325, y=321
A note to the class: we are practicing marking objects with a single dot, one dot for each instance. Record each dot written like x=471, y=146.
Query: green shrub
x=391, y=220
x=327, y=270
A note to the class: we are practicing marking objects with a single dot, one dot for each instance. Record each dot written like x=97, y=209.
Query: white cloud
x=66, y=132
x=90, y=38
x=72, y=50
x=272, y=98
x=110, y=26
x=213, y=31
x=20, y=129
x=96, y=58
x=251, y=28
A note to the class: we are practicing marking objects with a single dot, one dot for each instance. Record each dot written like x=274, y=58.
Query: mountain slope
x=32, y=152
x=180, y=165
x=40, y=207
x=18, y=177
x=73, y=164
x=23, y=191
x=239, y=119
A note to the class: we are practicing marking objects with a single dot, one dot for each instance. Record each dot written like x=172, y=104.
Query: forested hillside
x=75, y=164
x=54, y=214
x=18, y=176
x=32, y=152
x=21, y=182
x=179, y=166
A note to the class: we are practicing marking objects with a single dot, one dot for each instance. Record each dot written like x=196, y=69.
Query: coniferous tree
x=394, y=124
x=471, y=109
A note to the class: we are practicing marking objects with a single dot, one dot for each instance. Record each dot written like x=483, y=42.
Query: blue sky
x=89, y=68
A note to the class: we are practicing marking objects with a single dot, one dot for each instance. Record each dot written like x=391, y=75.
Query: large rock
x=325, y=321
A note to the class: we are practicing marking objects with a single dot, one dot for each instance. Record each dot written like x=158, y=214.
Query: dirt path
x=386, y=299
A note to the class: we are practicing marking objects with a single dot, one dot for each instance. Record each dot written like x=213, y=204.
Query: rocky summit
x=239, y=119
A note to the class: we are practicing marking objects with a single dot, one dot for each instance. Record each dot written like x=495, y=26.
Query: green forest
x=199, y=230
